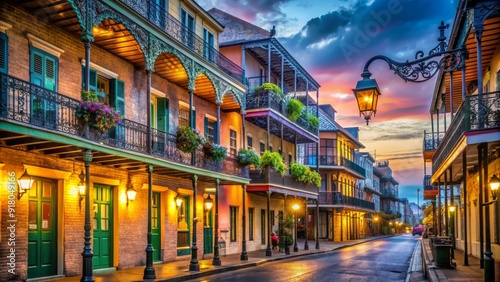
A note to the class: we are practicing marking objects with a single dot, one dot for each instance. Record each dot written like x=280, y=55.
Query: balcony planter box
x=289, y=181
x=268, y=175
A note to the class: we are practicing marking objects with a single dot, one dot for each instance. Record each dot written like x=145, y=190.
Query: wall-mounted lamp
x=178, y=200
x=25, y=183
x=494, y=185
x=208, y=203
x=81, y=187
x=451, y=208
x=131, y=193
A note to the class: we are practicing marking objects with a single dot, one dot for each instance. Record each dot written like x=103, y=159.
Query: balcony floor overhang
x=469, y=143
x=279, y=191
x=343, y=207
x=69, y=147
x=291, y=132
x=327, y=168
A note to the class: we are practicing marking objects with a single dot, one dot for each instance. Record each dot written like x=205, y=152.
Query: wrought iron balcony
x=477, y=113
x=327, y=160
x=389, y=193
x=26, y=103
x=432, y=140
x=336, y=198
x=175, y=29
x=268, y=100
x=269, y=176
x=352, y=166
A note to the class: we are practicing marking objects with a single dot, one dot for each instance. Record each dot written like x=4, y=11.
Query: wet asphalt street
x=381, y=260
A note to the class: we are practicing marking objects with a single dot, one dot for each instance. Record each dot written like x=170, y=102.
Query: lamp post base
x=489, y=267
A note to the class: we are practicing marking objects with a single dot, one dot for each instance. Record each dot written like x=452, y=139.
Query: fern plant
x=273, y=160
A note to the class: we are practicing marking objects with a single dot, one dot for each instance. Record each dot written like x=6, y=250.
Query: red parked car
x=418, y=229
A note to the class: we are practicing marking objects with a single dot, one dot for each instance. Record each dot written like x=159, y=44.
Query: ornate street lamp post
x=489, y=262
x=451, y=208
x=419, y=70
x=376, y=223
x=295, y=207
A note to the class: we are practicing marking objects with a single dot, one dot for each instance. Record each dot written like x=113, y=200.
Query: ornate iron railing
x=476, y=113
x=427, y=180
x=389, y=193
x=27, y=103
x=182, y=34
x=432, y=140
x=267, y=99
x=269, y=176
x=336, y=198
x=352, y=166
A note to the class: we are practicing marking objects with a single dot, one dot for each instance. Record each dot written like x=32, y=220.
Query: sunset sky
x=333, y=39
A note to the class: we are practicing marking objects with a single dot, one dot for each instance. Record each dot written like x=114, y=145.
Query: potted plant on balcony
x=98, y=116
x=214, y=151
x=294, y=109
x=304, y=174
x=188, y=139
x=248, y=157
x=273, y=160
x=268, y=86
x=313, y=120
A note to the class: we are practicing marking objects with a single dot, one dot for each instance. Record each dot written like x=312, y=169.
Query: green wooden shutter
x=162, y=114
x=93, y=79
x=151, y=117
x=36, y=68
x=117, y=101
x=43, y=72
x=205, y=128
x=43, y=69
x=50, y=73
x=117, y=95
x=4, y=54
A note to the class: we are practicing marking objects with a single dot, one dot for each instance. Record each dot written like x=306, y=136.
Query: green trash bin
x=442, y=255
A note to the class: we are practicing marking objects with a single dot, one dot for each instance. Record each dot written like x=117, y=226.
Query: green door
x=103, y=223
x=155, y=227
x=208, y=237
x=42, y=229
x=183, y=227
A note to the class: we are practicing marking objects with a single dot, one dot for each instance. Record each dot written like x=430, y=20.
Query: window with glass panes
x=249, y=142
x=183, y=116
x=262, y=148
x=210, y=127
x=327, y=153
x=232, y=142
x=209, y=50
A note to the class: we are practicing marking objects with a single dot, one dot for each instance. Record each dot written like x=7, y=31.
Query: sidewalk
x=472, y=272
x=179, y=270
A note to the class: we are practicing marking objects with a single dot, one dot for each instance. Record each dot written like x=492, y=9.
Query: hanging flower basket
x=214, y=151
x=97, y=115
x=187, y=139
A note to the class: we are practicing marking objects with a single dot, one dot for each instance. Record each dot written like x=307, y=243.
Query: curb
x=429, y=270
x=257, y=263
